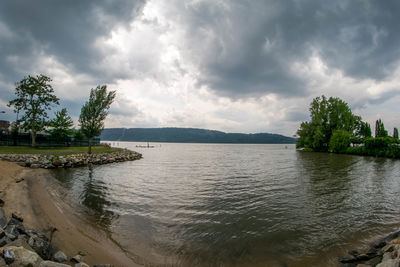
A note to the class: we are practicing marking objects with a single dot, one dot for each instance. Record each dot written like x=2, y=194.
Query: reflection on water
x=91, y=194
x=94, y=197
x=213, y=204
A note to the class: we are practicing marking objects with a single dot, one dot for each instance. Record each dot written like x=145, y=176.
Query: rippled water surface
x=237, y=205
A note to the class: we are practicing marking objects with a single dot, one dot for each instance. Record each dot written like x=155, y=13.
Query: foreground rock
x=385, y=253
x=60, y=256
x=69, y=161
x=30, y=248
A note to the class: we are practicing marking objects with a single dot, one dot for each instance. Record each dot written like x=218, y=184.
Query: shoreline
x=42, y=210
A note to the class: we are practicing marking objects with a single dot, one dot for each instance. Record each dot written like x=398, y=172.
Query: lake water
x=237, y=205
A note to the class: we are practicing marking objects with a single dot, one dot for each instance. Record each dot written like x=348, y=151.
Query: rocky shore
x=70, y=161
x=38, y=229
x=384, y=253
x=29, y=248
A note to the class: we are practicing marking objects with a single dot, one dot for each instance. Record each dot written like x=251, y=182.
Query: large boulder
x=14, y=228
x=25, y=258
x=40, y=244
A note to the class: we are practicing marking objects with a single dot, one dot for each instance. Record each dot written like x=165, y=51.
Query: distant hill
x=191, y=135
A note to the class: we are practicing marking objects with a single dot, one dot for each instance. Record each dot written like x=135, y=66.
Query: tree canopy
x=334, y=127
x=395, y=133
x=95, y=111
x=327, y=115
x=380, y=129
x=61, y=124
x=34, y=96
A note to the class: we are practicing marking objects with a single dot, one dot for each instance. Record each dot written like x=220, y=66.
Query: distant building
x=4, y=126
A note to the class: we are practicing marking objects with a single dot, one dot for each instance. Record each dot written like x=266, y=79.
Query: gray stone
x=25, y=258
x=53, y=264
x=11, y=232
x=102, y=265
x=40, y=244
x=81, y=264
x=76, y=258
x=15, y=227
x=389, y=263
x=60, y=256
x=4, y=241
x=8, y=255
x=3, y=218
x=387, y=256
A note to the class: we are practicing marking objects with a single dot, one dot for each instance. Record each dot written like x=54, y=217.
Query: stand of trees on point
x=333, y=127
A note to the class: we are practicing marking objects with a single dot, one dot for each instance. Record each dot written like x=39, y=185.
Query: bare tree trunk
x=33, y=134
x=90, y=145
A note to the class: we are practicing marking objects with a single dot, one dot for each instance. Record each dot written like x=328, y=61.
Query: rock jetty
x=27, y=247
x=384, y=253
x=70, y=161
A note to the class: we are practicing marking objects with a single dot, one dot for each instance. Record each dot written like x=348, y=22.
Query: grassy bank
x=54, y=150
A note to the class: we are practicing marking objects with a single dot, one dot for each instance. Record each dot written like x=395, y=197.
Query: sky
x=237, y=66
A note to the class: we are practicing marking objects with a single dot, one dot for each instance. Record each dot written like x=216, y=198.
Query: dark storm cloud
x=66, y=30
x=248, y=47
x=241, y=48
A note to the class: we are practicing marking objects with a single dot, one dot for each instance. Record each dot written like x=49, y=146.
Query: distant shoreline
x=191, y=135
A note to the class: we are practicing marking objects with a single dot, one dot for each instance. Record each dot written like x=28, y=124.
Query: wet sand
x=43, y=210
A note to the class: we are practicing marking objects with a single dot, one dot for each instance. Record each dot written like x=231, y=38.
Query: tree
x=380, y=129
x=327, y=115
x=340, y=141
x=61, y=124
x=34, y=96
x=365, y=130
x=94, y=112
x=395, y=133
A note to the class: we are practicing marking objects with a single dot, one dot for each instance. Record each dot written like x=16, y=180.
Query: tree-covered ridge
x=333, y=127
x=191, y=135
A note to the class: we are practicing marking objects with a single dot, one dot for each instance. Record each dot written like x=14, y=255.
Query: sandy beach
x=25, y=191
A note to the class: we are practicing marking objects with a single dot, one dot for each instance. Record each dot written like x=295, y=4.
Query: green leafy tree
x=365, y=130
x=327, y=115
x=94, y=112
x=395, y=133
x=61, y=124
x=380, y=129
x=34, y=96
x=340, y=141
x=78, y=135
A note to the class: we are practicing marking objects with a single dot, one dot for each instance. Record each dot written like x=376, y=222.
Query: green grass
x=54, y=150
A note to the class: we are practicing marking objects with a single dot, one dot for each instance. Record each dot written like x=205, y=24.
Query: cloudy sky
x=236, y=66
